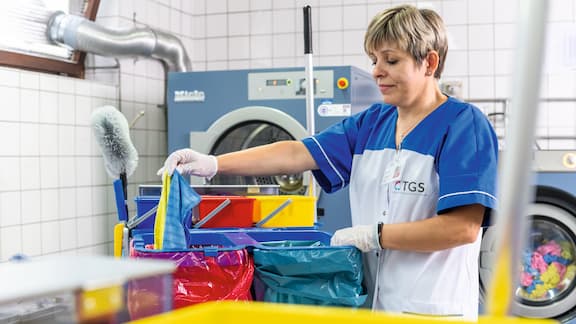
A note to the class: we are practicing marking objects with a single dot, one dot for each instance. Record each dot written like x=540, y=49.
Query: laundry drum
x=250, y=134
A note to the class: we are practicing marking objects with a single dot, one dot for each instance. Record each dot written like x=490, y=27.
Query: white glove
x=364, y=237
x=190, y=162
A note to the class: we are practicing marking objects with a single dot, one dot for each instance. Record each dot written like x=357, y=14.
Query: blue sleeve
x=467, y=163
x=333, y=151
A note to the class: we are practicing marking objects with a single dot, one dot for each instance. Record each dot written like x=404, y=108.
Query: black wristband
x=380, y=224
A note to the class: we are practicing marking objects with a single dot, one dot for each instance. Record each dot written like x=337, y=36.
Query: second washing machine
x=547, y=285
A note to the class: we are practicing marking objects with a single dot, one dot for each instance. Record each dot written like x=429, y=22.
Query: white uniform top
x=448, y=160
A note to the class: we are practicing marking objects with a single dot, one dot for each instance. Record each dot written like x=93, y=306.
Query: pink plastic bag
x=199, y=278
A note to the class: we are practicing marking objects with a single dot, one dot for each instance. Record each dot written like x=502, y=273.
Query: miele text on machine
x=189, y=96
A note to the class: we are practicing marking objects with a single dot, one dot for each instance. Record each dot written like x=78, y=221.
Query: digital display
x=277, y=82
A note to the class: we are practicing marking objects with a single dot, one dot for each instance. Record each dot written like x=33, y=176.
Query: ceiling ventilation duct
x=85, y=35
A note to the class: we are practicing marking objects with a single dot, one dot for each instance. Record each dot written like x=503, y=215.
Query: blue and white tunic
x=448, y=160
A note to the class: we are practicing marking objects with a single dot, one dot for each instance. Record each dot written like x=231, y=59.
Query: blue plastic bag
x=313, y=274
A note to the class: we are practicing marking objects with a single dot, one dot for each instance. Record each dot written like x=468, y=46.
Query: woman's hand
x=189, y=162
x=364, y=237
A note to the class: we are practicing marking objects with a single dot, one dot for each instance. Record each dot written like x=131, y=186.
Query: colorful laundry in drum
x=547, y=270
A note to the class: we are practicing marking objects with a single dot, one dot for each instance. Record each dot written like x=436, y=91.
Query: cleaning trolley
x=246, y=243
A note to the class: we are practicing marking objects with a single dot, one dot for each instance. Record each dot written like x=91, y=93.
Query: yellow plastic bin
x=284, y=211
x=227, y=312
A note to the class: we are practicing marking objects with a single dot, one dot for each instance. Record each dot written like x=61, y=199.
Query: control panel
x=555, y=161
x=289, y=85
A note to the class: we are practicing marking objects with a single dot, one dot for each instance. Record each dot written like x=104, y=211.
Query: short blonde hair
x=416, y=31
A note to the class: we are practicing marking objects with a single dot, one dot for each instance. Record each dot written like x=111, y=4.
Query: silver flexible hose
x=85, y=35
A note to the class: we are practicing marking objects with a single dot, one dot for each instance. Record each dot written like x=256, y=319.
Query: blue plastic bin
x=209, y=243
x=144, y=204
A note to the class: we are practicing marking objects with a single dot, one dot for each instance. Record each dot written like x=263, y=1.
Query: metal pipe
x=310, y=111
x=505, y=102
x=85, y=35
x=310, y=123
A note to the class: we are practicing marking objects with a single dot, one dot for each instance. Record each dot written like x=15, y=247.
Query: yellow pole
x=515, y=187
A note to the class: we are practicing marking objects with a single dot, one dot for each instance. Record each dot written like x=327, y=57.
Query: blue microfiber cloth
x=181, y=199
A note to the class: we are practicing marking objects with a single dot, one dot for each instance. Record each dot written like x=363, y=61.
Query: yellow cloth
x=161, y=212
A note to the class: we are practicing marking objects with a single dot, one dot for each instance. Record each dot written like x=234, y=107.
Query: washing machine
x=216, y=112
x=547, y=287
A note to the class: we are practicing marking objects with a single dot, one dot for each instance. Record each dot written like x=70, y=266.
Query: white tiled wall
x=53, y=189
x=55, y=196
x=254, y=34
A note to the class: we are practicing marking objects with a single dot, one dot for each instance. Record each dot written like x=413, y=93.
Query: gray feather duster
x=112, y=133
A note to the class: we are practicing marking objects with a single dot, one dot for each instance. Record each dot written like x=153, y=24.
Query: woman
x=421, y=171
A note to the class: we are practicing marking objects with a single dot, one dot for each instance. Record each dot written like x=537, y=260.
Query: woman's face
x=400, y=79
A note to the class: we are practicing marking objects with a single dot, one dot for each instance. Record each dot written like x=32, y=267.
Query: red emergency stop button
x=342, y=83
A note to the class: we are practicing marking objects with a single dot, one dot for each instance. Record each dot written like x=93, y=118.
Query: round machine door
x=247, y=127
x=547, y=287
x=250, y=134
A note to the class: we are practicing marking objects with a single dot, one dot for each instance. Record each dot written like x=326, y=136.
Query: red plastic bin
x=237, y=213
